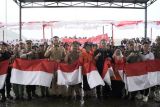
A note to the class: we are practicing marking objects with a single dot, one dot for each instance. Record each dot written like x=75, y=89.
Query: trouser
x=87, y=90
x=44, y=91
x=103, y=90
x=74, y=89
x=18, y=90
x=31, y=90
x=90, y=93
x=58, y=89
x=145, y=92
x=8, y=83
x=2, y=91
x=117, y=87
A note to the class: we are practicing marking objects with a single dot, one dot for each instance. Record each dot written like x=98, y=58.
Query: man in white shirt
x=146, y=55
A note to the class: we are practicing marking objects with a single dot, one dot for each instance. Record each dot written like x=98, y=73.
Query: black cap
x=28, y=41
x=3, y=43
x=87, y=44
x=76, y=42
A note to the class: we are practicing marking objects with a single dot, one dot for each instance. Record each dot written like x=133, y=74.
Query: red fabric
x=126, y=23
x=153, y=65
x=44, y=65
x=89, y=67
x=118, y=65
x=107, y=64
x=136, y=69
x=96, y=39
x=35, y=65
x=4, y=67
x=69, y=67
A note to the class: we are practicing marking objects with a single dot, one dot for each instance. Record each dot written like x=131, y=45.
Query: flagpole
x=43, y=32
x=6, y=12
x=3, y=35
x=151, y=34
x=51, y=32
x=103, y=29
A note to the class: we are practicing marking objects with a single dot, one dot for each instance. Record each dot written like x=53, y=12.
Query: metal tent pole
x=20, y=21
x=145, y=23
x=51, y=32
x=3, y=35
x=112, y=35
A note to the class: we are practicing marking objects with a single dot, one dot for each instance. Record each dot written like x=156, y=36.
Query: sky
x=11, y=15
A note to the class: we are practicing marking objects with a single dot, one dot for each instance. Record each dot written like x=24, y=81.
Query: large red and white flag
x=33, y=72
x=3, y=72
x=69, y=74
x=153, y=68
x=137, y=76
x=93, y=77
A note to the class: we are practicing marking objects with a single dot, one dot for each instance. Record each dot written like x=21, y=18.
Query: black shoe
x=47, y=95
x=29, y=98
x=17, y=98
x=3, y=100
x=42, y=96
x=35, y=96
x=78, y=97
x=10, y=97
x=69, y=98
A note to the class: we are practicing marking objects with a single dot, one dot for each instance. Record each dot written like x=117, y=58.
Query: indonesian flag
x=3, y=72
x=153, y=68
x=32, y=72
x=93, y=77
x=141, y=75
x=69, y=74
x=137, y=76
x=107, y=72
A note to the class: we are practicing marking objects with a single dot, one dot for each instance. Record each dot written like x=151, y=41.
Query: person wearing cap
x=146, y=55
x=70, y=58
x=5, y=55
x=29, y=53
x=41, y=52
x=87, y=57
x=55, y=52
x=17, y=88
x=156, y=49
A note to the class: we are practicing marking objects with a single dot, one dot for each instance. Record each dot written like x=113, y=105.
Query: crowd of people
x=130, y=51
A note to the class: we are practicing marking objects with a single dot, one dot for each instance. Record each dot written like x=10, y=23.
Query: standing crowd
x=130, y=51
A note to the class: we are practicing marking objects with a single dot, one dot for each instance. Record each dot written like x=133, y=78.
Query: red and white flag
x=3, y=72
x=93, y=77
x=153, y=68
x=107, y=72
x=33, y=72
x=69, y=74
x=137, y=76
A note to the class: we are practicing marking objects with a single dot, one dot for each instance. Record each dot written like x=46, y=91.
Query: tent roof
x=118, y=1
x=135, y=4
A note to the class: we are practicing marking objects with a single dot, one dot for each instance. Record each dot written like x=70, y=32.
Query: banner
x=33, y=72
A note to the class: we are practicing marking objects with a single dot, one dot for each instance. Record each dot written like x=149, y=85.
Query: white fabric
x=31, y=77
x=107, y=78
x=136, y=83
x=2, y=80
x=94, y=79
x=70, y=78
x=124, y=78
